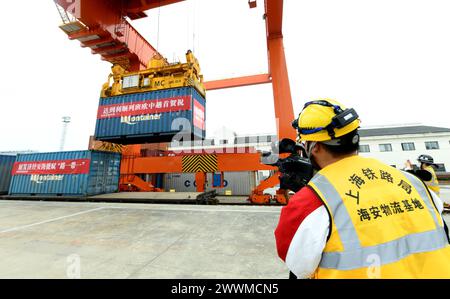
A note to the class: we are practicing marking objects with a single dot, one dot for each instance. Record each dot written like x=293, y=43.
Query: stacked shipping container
x=77, y=173
x=6, y=166
x=155, y=116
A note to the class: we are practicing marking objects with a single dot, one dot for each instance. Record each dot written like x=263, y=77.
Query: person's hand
x=408, y=165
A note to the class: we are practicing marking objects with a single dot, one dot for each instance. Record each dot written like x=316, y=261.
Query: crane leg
x=284, y=111
x=200, y=180
x=258, y=196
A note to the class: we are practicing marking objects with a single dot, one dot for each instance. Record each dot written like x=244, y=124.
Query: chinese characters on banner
x=76, y=166
x=145, y=107
x=199, y=115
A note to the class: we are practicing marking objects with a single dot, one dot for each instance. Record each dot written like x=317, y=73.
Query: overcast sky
x=388, y=59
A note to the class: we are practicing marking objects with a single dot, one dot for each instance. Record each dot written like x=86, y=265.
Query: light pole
x=66, y=121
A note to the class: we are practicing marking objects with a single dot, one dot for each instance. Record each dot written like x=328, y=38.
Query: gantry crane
x=102, y=26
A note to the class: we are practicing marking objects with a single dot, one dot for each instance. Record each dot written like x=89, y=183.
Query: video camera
x=296, y=170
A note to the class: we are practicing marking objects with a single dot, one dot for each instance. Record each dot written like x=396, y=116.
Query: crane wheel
x=260, y=199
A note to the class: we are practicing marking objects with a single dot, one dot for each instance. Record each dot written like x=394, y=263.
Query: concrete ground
x=113, y=240
x=106, y=240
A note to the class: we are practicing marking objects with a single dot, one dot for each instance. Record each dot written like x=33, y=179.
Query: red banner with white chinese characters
x=76, y=166
x=181, y=103
x=199, y=115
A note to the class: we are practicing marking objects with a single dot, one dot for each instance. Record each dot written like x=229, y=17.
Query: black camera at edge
x=295, y=170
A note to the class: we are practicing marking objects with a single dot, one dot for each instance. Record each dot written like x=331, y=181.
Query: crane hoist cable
x=159, y=17
x=198, y=35
x=188, y=28
x=193, y=25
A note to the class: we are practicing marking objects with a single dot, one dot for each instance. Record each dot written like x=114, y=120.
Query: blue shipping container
x=155, y=116
x=77, y=173
x=6, y=166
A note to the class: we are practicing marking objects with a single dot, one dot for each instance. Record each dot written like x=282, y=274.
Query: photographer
x=358, y=217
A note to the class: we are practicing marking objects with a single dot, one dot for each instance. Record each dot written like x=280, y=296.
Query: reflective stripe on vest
x=424, y=194
x=433, y=184
x=356, y=256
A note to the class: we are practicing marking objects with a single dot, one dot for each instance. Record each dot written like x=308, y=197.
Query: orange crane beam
x=132, y=165
x=139, y=6
x=281, y=89
x=238, y=82
x=278, y=69
x=104, y=20
x=225, y=163
x=274, y=18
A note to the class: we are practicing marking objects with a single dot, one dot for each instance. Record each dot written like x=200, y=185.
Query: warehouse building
x=394, y=145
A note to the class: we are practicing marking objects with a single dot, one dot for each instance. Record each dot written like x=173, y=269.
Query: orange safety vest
x=383, y=223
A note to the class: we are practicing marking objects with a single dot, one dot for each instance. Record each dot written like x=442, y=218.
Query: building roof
x=406, y=130
x=237, y=140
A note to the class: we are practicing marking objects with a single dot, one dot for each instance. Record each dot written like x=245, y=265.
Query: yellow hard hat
x=325, y=119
